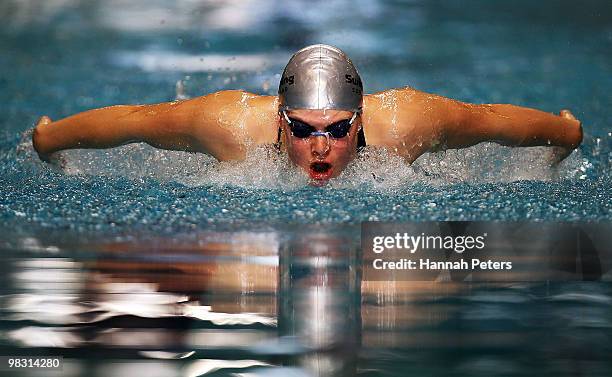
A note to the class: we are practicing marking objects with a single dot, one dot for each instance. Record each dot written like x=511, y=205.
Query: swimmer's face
x=321, y=157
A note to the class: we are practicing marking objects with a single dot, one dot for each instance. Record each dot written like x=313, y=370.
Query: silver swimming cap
x=320, y=77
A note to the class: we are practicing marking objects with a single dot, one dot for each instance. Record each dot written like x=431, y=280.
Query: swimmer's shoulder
x=385, y=111
x=384, y=100
x=397, y=117
x=263, y=120
x=254, y=114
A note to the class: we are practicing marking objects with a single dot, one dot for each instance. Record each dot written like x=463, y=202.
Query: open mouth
x=320, y=170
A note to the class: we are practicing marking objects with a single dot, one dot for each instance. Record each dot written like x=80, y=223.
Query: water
x=148, y=256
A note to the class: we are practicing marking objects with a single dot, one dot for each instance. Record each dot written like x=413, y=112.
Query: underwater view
x=140, y=261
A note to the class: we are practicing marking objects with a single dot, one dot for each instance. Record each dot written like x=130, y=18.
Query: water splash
x=265, y=168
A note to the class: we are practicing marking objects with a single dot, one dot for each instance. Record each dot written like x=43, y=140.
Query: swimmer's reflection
x=181, y=296
x=314, y=279
x=319, y=301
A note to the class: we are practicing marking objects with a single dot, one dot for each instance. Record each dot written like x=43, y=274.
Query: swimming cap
x=320, y=77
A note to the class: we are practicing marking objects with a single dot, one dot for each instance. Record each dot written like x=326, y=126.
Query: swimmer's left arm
x=510, y=125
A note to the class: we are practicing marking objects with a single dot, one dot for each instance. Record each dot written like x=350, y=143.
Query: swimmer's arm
x=512, y=126
x=193, y=125
x=106, y=128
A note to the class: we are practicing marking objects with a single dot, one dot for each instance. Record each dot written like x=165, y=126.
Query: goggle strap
x=286, y=117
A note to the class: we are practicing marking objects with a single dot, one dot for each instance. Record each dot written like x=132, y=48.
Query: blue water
x=65, y=59
x=59, y=58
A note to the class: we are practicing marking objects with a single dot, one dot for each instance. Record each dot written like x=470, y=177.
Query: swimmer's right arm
x=204, y=124
x=103, y=128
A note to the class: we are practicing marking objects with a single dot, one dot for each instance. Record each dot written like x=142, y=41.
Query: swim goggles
x=303, y=130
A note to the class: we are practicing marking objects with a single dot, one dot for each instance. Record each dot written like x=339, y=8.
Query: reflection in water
x=287, y=303
x=157, y=299
x=319, y=301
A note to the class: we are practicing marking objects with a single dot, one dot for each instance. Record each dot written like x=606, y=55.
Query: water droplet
x=265, y=86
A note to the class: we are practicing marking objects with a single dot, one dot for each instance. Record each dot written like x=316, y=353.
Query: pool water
x=171, y=263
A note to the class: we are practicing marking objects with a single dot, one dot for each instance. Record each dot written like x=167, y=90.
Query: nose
x=319, y=145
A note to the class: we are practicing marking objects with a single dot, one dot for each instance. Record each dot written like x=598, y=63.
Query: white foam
x=262, y=168
x=377, y=169
x=265, y=168
x=484, y=163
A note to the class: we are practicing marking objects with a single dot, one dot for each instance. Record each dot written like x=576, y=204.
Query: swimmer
x=321, y=118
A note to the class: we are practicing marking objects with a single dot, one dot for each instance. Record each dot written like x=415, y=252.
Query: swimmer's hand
x=560, y=153
x=44, y=120
x=52, y=158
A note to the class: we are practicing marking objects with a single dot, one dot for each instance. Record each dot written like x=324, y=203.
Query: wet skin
x=404, y=121
x=320, y=157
